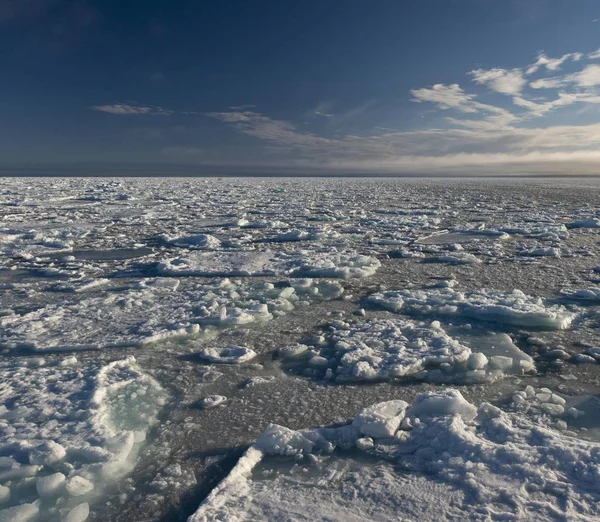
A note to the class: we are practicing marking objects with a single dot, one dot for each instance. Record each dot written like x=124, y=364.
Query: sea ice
x=512, y=464
x=76, y=426
x=514, y=308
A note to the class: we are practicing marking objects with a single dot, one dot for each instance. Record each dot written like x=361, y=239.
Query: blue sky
x=348, y=86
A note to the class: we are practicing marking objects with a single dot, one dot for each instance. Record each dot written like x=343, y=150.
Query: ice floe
x=68, y=431
x=386, y=349
x=515, y=463
x=157, y=310
x=302, y=263
x=510, y=308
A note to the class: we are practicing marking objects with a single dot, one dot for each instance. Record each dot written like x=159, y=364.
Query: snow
x=514, y=308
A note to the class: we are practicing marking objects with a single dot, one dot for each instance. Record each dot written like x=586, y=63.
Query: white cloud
x=480, y=137
x=594, y=55
x=500, y=80
x=446, y=97
x=255, y=124
x=124, y=109
x=540, y=108
x=589, y=76
x=552, y=64
x=549, y=83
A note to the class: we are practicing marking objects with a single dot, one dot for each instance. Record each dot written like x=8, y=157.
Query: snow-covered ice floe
x=156, y=310
x=67, y=431
x=385, y=349
x=456, y=461
x=510, y=308
x=303, y=263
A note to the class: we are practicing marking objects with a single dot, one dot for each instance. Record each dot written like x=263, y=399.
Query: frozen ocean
x=242, y=349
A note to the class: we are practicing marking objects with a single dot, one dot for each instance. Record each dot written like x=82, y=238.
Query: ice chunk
x=22, y=513
x=78, y=513
x=458, y=258
x=78, y=485
x=288, y=352
x=438, y=404
x=477, y=361
x=47, y=453
x=540, y=252
x=342, y=266
x=279, y=440
x=50, y=485
x=381, y=420
x=229, y=355
x=212, y=400
x=4, y=494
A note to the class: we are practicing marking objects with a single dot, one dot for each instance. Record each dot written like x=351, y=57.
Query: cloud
x=500, y=80
x=446, y=97
x=242, y=107
x=259, y=126
x=124, y=109
x=477, y=137
x=323, y=108
x=552, y=64
x=594, y=55
x=589, y=76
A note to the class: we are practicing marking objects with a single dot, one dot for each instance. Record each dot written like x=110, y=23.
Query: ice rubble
x=226, y=264
x=68, y=430
x=512, y=464
x=514, y=308
x=386, y=349
x=302, y=263
x=156, y=310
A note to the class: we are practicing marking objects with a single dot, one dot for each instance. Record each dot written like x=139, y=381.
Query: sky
x=367, y=87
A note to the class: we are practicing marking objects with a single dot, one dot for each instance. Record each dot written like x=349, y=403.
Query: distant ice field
x=299, y=349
